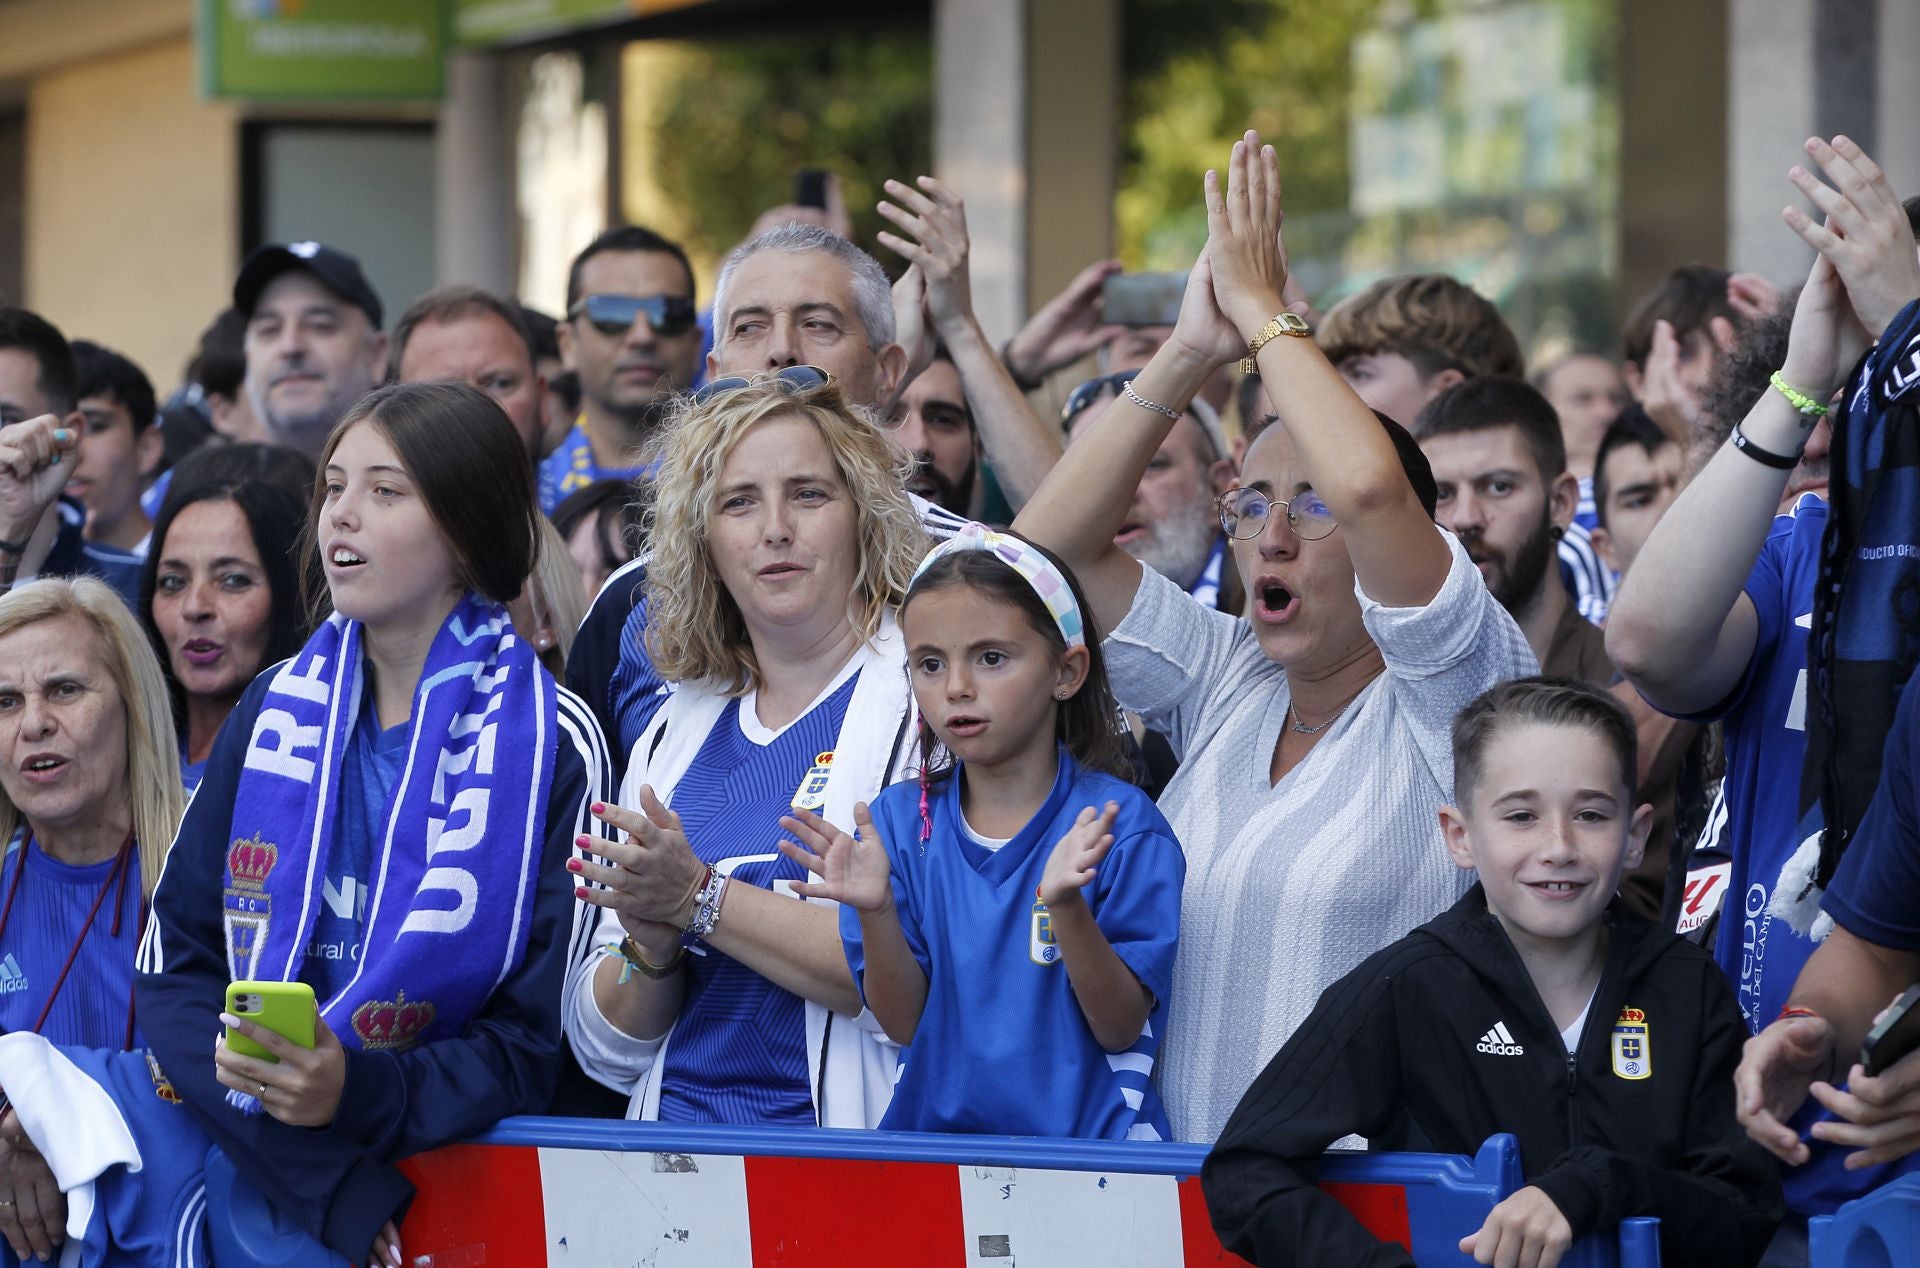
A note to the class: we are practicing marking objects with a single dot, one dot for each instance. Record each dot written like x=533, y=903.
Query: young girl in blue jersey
x=1011, y=917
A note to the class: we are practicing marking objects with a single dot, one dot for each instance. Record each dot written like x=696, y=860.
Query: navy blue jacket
x=339, y=1182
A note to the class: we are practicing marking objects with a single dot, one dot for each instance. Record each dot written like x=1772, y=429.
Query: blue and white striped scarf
x=1866, y=611
x=454, y=872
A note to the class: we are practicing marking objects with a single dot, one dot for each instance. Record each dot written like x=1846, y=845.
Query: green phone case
x=285, y=1008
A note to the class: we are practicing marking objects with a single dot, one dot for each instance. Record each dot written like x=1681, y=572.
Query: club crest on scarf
x=447, y=920
x=249, y=862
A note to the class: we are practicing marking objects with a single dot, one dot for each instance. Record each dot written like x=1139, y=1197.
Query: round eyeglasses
x=1243, y=513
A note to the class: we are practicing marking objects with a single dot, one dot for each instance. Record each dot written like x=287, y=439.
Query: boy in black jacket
x=1535, y=1006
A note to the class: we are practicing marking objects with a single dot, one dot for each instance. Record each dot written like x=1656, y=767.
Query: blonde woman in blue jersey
x=1012, y=915
x=783, y=541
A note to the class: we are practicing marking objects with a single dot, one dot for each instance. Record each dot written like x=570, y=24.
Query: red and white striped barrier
x=585, y=1193
x=528, y=1205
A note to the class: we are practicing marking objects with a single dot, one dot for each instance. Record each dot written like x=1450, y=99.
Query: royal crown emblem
x=392, y=1024
x=249, y=860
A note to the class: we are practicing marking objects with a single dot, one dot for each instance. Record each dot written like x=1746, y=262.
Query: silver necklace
x=1301, y=728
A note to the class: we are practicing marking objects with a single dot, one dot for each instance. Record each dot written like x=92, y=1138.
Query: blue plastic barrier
x=1881, y=1230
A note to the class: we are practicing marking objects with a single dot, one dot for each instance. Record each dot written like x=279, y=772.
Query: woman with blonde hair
x=89, y=800
x=783, y=543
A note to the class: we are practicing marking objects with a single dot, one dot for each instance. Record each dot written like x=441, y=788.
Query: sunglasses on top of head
x=793, y=380
x=1091, y=392
x=615, y=314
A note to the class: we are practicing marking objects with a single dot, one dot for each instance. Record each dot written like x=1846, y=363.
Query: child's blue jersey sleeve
x=1136, y=892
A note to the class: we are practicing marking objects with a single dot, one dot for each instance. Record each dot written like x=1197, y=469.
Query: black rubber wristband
x=13, y=548
x=1765, y=457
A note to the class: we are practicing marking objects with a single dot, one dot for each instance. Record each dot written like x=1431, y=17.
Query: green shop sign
x=322, y=49
x=481, y=22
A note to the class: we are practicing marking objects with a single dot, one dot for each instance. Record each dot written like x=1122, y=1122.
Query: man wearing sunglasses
x=1173, y=525
x=631, y=338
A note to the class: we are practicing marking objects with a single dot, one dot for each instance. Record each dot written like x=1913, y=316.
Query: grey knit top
x=1291, y=885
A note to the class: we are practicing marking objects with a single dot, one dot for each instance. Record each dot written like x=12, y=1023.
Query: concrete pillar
x=474, y=222
x=1801, y=68
x=1897, y=95
x=1673, y=121
x=1771, y=107
x=1026, y=121
x=979, y=144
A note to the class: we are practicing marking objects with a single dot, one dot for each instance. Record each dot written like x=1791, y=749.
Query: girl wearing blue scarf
x=386, y=817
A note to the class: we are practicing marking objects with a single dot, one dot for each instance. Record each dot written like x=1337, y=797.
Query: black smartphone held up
x=1142, y=299
x=810, y=187
x=1895, y=1033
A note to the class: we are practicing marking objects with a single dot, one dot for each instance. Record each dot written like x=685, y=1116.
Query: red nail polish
x=579, y=891
x=599, y=807
x=573, y=865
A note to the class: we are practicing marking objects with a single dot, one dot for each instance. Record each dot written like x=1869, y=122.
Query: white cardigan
x=850, y=1061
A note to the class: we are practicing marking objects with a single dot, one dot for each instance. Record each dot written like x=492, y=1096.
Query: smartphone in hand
x=810, y=188
x=285, y=1008
x=1895, y=1033
x=1142, y=299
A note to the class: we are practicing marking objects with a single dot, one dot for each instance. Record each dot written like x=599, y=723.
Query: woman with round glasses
x=783, y=540
x=1315, y=732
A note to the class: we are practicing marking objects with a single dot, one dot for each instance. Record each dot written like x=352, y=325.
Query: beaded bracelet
x=1798, y=399
x=706, y=908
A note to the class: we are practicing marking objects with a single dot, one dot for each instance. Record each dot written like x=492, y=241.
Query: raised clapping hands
x=1865, y=234
x=1247, y=258
x=1664, y=394
x=1240, y=280
x=36, y=460
x=935, y=223
x=935, y=294
x=852, y=869
x=1066, y=328
x=1526, y=1229
x=1826, y=339
x=1077, y=855
x=650, y=879
x=302, y=1088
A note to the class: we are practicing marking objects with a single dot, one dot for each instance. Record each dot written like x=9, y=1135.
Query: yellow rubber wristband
x=1795, y=397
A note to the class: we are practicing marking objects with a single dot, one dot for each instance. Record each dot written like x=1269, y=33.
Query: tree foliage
x=732, y=122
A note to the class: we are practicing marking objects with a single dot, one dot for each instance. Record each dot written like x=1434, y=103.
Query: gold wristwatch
x=1283, y=324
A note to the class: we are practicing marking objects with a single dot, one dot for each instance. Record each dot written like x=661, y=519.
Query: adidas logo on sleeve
x=1499, y=1042
x=11, y=978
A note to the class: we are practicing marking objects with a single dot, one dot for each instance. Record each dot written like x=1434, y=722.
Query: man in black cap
x=314, y=345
